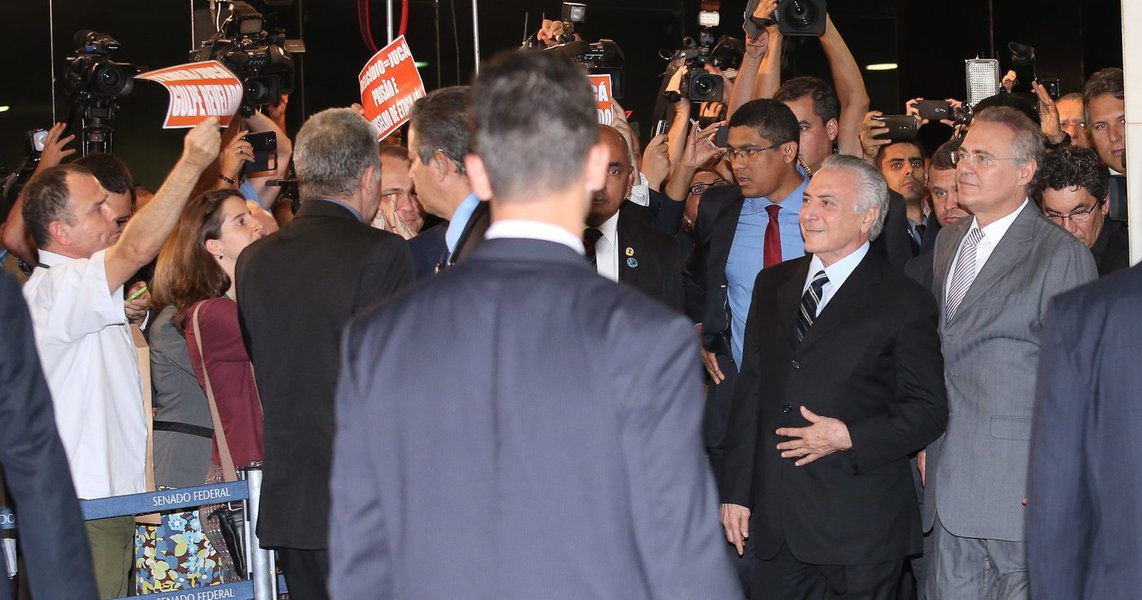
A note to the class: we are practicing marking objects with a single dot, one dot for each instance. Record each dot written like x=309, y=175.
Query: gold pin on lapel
x=630, y=251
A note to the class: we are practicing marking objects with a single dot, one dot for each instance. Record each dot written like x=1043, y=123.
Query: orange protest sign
x=601, y=85
x=198, y=91
x=390, y=84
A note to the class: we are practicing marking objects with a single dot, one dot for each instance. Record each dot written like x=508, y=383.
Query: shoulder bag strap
x=229, y=473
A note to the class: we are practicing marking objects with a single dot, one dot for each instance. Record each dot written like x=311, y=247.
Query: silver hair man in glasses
x=993, y=277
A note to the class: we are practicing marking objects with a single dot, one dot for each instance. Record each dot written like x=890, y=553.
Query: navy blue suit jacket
x=1084, y=514
x=550, y=450
x=51, y=537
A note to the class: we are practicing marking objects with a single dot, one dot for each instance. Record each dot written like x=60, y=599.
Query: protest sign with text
x=198, y=91
x=390, y=84
x=601, y=85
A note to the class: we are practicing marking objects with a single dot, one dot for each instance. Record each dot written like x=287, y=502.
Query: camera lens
x=799, y=14
x=703, y=86
x=110, y=79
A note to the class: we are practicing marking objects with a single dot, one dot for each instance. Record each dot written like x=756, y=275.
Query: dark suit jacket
x=51, y=535
x=714, y=230
x=1084, y=514
x=894, y=242
x=872, y=360
x=430, y=250
x=1112, y=248
x=554, y=450
x=298, y=288
x=652, y=264
x=663, y=213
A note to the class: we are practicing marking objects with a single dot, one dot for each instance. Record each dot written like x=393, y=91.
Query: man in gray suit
x=555, y=452
x=993, y=277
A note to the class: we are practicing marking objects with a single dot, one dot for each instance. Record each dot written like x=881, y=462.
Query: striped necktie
x=965, y=273
x=810, y=300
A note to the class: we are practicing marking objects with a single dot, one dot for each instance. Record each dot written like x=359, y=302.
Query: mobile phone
x=1054, y=89
x=37, y=138
x=265, y=146
x=901, y=128
x=661, y=127
x=722, y=137
x=935, y=110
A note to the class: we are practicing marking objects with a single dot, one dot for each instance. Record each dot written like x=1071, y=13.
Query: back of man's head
x=1104, y=81
x=534, y=121
x=440, y=122
x=46, y=199
x=771, y=120
x=1072, y=166
x=333, y=150
x=826, y=105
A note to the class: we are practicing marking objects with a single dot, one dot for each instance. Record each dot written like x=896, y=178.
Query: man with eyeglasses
x=1071, y=119
x=993, y=277
x=1072, y=191
x=740, y=230
x=1104, y=103
x=902, y=164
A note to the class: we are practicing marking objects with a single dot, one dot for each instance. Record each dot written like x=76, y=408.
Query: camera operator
x=237, y=152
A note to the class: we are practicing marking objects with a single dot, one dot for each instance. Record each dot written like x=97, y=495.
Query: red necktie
x=772, y=237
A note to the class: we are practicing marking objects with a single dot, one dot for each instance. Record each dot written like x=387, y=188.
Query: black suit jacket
x=707, y=285
x=297, y=289
x=872, y=359
x=554, y=449
x=663, y=213
x=430, y=249
x=648, y=260
x=51, y=535
x=1084, y=511
x=1112, y=248
x=894, y=242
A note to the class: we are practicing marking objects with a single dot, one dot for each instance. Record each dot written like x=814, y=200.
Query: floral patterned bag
x=174, y=555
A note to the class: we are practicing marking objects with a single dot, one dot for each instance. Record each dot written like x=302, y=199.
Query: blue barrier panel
x=241, y=590
x=166, y=500
x=7, y=519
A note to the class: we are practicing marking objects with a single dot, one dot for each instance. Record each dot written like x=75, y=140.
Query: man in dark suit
x=841, y=381
x=1084, y=519
x=740, y=230
x=298, y=289
x=1104, y=105
x=555, y=450
x=622, y=246
x=437, y=145
x=941, y=184
x=902, y=164
x=35, y=466
x=1073, y=192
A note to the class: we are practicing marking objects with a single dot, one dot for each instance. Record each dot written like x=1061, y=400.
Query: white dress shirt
x=607, y=248
x=534, y=230
x=838, y=273
x=92, y=370
x=992, y=234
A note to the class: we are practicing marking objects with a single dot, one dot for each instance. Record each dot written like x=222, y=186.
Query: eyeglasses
x=700, y=188
x=1078, y=217
x=985, y=161
x=749, y=152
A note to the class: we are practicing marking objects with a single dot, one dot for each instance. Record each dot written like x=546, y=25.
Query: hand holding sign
x=202, y=143
x=390, y=84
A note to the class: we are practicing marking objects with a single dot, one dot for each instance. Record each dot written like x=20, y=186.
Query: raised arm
x=756, y=52
x=850, y=89
x=149, y=228
x=15, y=234
x=268, y=193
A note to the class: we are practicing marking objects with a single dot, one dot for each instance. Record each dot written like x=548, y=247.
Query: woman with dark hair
x=195, y=275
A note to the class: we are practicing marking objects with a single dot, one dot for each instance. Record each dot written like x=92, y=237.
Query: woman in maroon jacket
x=195, y=274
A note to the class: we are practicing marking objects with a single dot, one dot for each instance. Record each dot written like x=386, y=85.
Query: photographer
x=237, y=153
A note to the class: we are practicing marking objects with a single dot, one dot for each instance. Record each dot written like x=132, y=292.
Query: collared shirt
x=992, y=234
x=92, y=370
x=459, y=221
x=355, y=212
x=837, y=273
x=640, y=192
x=747, y=253
x=534, y=230
x=607, y=248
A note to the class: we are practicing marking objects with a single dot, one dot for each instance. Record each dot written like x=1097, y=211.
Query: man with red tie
x=740, y=230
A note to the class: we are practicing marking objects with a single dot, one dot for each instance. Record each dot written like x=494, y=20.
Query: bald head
x=620, y=177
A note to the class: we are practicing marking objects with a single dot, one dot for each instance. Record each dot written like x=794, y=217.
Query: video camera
x=697, y=84
x=603, y=57
x=94, y=82
x=256, y=57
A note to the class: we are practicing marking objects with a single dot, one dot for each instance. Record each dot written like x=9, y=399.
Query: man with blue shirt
x=437, y=145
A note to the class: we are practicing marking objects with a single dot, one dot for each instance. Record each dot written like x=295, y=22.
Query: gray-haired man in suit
x=993, y=277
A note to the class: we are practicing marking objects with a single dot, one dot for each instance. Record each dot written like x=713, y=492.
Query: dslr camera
x=697, y=84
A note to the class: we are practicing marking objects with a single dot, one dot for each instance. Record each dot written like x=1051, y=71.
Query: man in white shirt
x=622, y=246
x=993, y=276
x=75, y=297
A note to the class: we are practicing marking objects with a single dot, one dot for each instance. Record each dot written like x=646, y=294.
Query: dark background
x=929, y=40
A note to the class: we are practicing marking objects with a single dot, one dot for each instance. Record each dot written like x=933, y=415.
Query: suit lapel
x=840, y=308
x=628, y=237
x=725, y=226
x=789, y=299
x=1003, y=258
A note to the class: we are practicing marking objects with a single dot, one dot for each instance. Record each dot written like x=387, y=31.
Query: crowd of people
x=534, y=357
